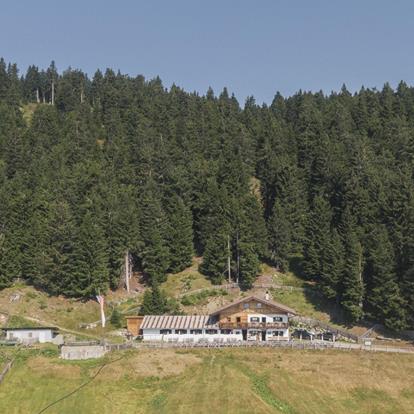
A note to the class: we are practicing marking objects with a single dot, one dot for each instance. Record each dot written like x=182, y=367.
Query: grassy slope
x=58, y=311
x=68, y=313
x=216, y=381
x=185, y=281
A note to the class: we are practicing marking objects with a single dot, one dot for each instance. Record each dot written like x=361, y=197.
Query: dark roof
x=31, y=328
x=264, y=301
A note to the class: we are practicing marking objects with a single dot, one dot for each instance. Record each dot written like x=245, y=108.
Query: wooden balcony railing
x=253, y=325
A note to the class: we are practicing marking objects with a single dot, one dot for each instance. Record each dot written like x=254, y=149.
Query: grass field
x=213, y=381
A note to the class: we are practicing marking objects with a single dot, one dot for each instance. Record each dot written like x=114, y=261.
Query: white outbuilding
x=30, y=335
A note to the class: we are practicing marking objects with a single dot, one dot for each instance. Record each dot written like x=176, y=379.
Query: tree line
x=92, y=168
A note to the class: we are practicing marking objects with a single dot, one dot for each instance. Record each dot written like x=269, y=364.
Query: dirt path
x=48, y=323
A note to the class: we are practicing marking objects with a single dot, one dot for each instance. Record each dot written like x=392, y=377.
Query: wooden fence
x=118, y=347
x=230, y=286
x=326, y=326
x=309, y=345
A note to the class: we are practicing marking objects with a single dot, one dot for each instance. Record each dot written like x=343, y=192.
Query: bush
x=116, y=318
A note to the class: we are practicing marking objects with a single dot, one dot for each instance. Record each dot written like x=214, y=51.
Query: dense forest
x=93, y=168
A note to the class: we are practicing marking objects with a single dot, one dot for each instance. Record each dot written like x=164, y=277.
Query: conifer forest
x=92, y=167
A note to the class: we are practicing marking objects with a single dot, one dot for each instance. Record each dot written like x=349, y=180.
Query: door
x=244, y=334
x=263, y=335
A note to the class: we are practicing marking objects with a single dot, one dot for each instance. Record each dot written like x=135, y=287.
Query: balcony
x=253, y=325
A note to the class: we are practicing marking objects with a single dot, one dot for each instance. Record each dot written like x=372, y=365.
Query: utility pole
x=228, y=258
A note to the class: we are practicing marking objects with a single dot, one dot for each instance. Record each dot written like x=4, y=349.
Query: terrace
x=253, y=325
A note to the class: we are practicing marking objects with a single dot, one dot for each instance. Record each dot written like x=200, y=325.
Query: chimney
x=267, y=296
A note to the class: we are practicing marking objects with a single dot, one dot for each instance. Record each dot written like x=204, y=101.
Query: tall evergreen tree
x=352, y=285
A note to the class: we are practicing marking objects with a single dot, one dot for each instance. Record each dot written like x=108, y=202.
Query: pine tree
x=332, y=266
x=215, y=257
x=384, y=298
x=116, y=318
x=279, y=237
x=180, y=233
x=155, y=302
x=352, y=286
x=248, y=263
x=155, y=256
x=318, y=236
x=87, y=266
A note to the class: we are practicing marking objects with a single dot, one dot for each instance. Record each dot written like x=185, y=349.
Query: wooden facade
x=134, y=324
x=249, y=319
x=237, y=315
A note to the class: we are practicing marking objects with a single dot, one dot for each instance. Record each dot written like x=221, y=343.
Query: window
x=277, y=319
x=254, y=319
x=165, y=331
x=237, y=332
x=226, y=331
x=181, y=331
x=228, y=319
x=238, y=319
x=258, y=305
x=277, y=333
x=246, y=306
x=211, y=331
x=196, y=331
x=30, y=334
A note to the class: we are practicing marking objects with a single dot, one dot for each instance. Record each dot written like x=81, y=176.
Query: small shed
x=134, y=324
x=28, y=335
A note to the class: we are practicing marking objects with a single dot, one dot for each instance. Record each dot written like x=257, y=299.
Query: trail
x=80, y=386
x=48, y=323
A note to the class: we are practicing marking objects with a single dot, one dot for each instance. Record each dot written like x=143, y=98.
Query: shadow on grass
x=315, y=297
x=321, y=304
x=296, y=266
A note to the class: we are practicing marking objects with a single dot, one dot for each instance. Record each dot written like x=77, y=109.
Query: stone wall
x=82, y=352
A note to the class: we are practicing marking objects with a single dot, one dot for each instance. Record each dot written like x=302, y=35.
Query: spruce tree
x=332, y=267
x=384, y=298
x=352, y=286
x=154, y=254
x=215, y=256
x=179, y=235
x=318, y=236
x=87, y=266
x=279, y=237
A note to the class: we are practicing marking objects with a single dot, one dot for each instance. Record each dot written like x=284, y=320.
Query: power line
x=80, y=386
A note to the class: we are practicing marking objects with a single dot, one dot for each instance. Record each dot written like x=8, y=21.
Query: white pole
x=101, y=301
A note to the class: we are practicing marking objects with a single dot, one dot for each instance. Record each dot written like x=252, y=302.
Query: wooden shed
x=134, y=324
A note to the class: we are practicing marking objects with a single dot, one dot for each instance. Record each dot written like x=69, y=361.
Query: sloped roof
x=32, y=328
x=271, y=303
x=179, y=322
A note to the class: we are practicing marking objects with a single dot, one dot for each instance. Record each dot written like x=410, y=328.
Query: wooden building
x=248, y=319
x=134, y=324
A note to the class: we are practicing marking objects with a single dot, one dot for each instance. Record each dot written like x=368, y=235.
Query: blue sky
x=254, y=47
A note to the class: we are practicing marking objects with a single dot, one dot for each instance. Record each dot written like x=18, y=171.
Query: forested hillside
x=92, y=168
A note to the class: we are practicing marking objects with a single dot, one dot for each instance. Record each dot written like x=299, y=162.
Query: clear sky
x=253, y=47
